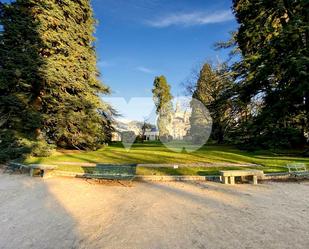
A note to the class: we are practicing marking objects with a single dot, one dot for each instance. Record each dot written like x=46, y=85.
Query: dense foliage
x=271, y=87
x=50, y=92
x=273, y=40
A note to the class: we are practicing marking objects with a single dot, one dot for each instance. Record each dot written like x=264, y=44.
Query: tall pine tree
x=273, y=40
x=164, y=108
x=50, y=90
x=211, y=90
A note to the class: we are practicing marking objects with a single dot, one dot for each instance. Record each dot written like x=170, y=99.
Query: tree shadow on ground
x=222, y=198
x=35, y=217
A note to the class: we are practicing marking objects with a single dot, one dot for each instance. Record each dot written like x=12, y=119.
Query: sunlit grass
x=154, y=153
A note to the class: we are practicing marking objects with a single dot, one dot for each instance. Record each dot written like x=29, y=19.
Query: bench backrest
x=299, y=167
x=15, y=166
x=115, y=170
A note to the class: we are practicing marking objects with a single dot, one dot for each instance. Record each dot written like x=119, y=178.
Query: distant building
x=152, y=134
x=121, y=127
x=116, y=136
x=180, y=124
x=178, y=128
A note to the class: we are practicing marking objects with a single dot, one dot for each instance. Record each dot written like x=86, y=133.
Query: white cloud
x=104, y=64
x=145, y=70
x=192, y=19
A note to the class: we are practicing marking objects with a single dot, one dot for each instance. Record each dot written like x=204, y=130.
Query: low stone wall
x=276, y=176
x=170, y=178
x=283, y=177
x=143, y=178
x=66, y=174
x=215, y=178
x=158, y=178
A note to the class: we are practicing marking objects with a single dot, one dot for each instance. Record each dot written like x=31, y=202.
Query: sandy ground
x=71, y=213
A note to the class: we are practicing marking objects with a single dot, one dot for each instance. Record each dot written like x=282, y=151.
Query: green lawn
x=155, y=153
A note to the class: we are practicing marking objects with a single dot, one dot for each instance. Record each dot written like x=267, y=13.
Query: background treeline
x=50, y=95
x=262, y=99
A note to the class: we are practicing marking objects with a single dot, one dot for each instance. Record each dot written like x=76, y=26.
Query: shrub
x=42, y=149
x=13, y=146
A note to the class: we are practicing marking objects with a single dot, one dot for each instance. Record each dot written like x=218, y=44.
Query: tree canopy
x=273, y=40
x=49, y=83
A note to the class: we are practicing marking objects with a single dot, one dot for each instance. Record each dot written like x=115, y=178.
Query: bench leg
x=31, y=172
x=225, y=180
x=232, y=180
x=255, y=180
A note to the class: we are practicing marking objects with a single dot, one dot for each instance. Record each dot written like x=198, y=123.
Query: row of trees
x=50, y=94
x=263, y=98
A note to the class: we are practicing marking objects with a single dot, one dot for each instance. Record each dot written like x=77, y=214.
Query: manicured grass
x=156, y=153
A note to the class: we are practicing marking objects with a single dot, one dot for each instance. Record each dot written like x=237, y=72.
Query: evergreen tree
x=48, y=77
x=273, y=40
x=20, y=78
x=163, y=100
x=211, y=88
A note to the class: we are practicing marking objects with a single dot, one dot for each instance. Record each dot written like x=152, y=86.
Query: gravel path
x=71, y=213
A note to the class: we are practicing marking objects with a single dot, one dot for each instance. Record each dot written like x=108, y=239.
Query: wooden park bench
x=112, y=172
x=298, y=169
x=228, y=176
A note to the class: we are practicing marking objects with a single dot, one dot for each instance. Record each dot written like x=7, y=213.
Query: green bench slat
x=110, y=177
x=125, y=172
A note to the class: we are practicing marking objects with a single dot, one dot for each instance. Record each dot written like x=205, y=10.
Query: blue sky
x=140, y=39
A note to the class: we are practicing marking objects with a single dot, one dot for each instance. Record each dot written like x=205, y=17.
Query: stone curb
x=217, y=178
x=276, y=176
x=172, y=178
x=142, y=178
x=154, y=178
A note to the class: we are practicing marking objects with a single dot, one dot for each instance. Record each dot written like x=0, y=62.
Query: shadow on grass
x=155, y=153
